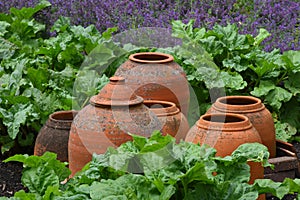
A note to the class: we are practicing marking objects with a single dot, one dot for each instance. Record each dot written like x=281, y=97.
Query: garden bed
x=11, y=172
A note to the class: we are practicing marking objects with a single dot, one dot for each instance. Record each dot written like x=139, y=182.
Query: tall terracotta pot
x=226, y=132
x=106, y=122
x=156, y=76
x=173, y=121
x=54, y=135
x=254, y=109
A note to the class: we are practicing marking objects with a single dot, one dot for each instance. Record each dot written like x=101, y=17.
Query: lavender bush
x=280, y=17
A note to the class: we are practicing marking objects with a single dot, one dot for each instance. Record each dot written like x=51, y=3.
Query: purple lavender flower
x=280, y=17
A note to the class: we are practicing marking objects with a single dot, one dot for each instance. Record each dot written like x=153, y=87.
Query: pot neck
x=162, y=108
x=224, y=122
x=238, y=104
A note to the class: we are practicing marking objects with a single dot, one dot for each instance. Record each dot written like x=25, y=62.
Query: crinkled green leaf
x=48, y=159
x=87, y=84
x=51, y=191
x=15, y=99
x=38, y=77
x=124, y=162
x=157, y=141
x=26, y=29
x=290, y=113
x=3, y=28
x=212, y=45
x=61, y=24
x=26, y=196
x=189, y=154
x=103, y=56
x=263, y=68
x=277, y=97
x=15, y=117
x=181, y=30
x=16, y=80
x=230, y=37
x=262, y=35
x=284, y=131
x=17, y=157
x=263, y=89
x=232, y=169
x=255, y=152
x=199, y=33
x=157, y=159
x=291, y=60
x=139, y=141
x=226, y=190
x=233, y=80
x=199, y=172
x=38, y=179
x=126, y=187
x=27, y=13
x=235, y=63
x=168, y=192
x=293, y=83
x=71, y=54
x=108, y=33
x=278, y=189
x=7, y=49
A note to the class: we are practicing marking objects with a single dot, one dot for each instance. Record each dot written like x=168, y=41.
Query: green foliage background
x=38, y=72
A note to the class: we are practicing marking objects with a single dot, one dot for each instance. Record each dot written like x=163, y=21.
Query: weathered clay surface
x=225, y=132
x=155, y=76
x=254, y=109
x=107, y=121
x=173, y=121
x=54, y=135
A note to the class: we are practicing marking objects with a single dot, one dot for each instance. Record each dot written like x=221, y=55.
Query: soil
x=11, y=172
x=10, y=178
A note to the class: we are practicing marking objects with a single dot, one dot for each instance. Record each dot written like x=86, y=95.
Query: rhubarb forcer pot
x=107, y=121
x=255, y=110
x=156, y=76
x=54, y=135
x=226, y=132
x=173, y=121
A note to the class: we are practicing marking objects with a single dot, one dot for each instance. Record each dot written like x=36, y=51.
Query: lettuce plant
x=153, y=168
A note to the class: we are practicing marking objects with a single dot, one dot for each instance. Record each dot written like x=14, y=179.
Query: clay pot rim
x=172, y=109
x=256, y=106
x=166, y=57
x=97, y=101
x=63, y=112
x=61, y=123
x=244, y=124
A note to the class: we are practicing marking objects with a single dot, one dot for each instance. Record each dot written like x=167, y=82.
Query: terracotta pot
x=254, y=109
x=54, y=135
x=106, y=122
x=155, y=76
x=225, y=132
x=173, y=121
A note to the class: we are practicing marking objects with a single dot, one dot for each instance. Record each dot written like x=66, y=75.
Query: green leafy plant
x=38, y=71
x=223, y=62
x=153, y=168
